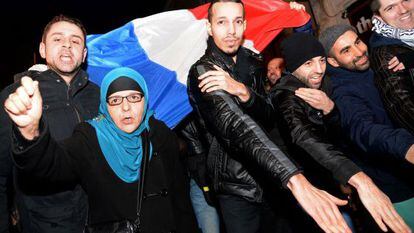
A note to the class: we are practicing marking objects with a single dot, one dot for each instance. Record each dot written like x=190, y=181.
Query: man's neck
x=234, y=58
x=67, y=79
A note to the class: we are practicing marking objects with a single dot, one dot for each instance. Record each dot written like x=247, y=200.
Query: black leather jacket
x=396, y=88
x=307, y=129
x=239, y=148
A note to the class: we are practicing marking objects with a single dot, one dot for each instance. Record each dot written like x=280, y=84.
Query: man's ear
x=209, y=28
x=42, y=50
x=332, y=61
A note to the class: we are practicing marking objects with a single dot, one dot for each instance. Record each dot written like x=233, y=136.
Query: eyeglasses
x=117, y=100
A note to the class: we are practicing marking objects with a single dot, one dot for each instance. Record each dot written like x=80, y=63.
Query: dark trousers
x=64, y=212
x=280, y=214
x=242, y=216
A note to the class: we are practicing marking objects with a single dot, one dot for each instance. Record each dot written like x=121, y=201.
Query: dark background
x=21, y=24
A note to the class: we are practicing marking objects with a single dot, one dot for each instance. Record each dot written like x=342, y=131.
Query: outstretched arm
x=378, y=204
x=238, y=132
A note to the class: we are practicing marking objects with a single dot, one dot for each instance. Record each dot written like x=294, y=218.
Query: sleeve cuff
x=286, y=179
x=20, y=144
x=346, y=171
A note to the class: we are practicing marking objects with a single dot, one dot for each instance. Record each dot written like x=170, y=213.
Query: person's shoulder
x=93, y=90
x=158, y=127
x=93, y=85
x=203, y=65
x=161, y=136
x=85, y=130
x=288, y=83
x=253, y=54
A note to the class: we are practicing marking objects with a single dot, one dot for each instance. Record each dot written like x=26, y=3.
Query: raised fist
x=24, y=107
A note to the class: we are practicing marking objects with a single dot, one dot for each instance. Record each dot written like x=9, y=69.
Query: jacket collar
x=226, y=61
x=79, y=81
x=242, y=70
x=378, y=40
x=344, y=75
x=290, y=83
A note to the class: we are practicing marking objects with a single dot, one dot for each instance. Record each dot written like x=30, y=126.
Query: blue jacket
x=366, y=123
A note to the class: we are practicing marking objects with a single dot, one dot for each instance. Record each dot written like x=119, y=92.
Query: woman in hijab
x=111, y=156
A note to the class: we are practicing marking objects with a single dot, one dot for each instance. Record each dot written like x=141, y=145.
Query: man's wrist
x=30, y=132
x=329, y=108
x=244, y=93
x=359, y=180
x=296, y=181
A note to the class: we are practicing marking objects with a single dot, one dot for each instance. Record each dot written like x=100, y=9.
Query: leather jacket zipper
x=74, y=107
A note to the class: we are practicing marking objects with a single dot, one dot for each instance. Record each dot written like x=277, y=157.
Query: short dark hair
x=63, y=18
x=375, y=5
x=210, y=10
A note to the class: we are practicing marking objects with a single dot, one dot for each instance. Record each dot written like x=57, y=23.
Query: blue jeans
x=207, y=217
x=348, y=220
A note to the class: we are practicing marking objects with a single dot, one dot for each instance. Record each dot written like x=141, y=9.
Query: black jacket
x=396, y=88
x=239, y=148
x=63, y=107
x=197, y=145
x=307, y=128
x=166, y=204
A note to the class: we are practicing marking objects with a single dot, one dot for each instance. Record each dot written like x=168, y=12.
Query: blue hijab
x=123, y=151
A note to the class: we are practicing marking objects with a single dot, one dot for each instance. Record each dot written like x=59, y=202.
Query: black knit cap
x=299, y=48
x=123, y=84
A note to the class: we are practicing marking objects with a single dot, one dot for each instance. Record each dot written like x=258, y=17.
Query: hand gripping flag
x=162, y=47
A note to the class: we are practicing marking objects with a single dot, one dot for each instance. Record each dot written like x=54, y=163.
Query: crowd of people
x=321, y=142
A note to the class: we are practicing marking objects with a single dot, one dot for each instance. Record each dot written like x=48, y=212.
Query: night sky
x=22, y=24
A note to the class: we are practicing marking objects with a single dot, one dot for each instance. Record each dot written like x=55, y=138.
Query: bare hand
x=320, y=205
x=316, y=98
x=296, y=6
x=378, y=204
x=410, y=154
x=395, y=65
x=218, y=79
x=24, y=106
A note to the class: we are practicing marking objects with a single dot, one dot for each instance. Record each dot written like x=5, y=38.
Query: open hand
x=378, y=204
x=316, y=98
x=219, y=79
x=320, y=205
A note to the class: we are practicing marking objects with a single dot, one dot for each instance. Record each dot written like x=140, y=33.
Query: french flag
x=162, y=47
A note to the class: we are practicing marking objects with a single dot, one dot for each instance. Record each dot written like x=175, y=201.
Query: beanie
x=299, y=48
x=330, y=35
